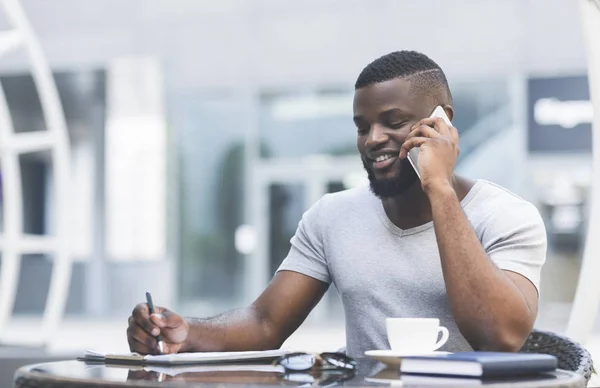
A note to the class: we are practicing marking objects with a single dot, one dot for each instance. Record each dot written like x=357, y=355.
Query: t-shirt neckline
x=420, y=228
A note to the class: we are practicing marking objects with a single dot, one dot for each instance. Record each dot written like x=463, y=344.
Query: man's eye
x=362, y=131
x=397, y=125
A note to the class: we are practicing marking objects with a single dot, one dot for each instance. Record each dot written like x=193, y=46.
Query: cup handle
x=445, y=336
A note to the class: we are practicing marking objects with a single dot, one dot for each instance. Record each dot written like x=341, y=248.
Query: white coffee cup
x=415, y=335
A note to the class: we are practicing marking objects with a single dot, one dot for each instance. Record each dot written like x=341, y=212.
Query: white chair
x=13, y=242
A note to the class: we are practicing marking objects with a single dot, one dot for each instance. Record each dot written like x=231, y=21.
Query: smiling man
x=465, y=251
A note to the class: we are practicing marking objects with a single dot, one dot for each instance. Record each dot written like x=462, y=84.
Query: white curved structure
x=14, y=242
x=587, y=298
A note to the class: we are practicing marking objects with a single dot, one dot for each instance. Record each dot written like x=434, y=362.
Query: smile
x=384, y=161
x=383, y=157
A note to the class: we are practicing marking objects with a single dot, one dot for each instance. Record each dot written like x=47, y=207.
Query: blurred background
x=200, y=131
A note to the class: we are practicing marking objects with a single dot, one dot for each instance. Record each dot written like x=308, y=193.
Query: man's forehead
x=395, y=92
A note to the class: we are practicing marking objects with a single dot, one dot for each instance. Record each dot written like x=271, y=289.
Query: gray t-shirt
x=383, y=271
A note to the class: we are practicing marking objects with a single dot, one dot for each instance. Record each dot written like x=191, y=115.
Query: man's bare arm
x=494, y=309
x=265, y=324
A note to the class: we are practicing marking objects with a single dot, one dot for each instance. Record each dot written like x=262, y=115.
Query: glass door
x=284, y=190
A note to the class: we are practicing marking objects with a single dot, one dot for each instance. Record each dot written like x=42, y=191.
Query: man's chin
x=392, y=187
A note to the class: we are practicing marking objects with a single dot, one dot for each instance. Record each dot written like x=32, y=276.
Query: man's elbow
x=505, y=341
x=268, y=335
x=509, y=342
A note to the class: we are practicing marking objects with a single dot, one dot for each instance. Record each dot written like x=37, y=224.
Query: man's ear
x=449, y=111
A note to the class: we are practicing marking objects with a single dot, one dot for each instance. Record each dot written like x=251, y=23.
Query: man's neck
x=412, y=208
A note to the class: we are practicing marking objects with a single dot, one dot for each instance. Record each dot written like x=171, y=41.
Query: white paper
x=173, y=371
x=191, y=358
x=202, y=357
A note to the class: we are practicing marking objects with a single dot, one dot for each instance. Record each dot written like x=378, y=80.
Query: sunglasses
x=299, y=362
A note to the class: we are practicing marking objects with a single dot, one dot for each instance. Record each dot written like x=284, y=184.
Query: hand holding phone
x=413, y=154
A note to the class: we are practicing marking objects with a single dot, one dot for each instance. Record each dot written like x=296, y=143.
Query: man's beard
x=391, y=187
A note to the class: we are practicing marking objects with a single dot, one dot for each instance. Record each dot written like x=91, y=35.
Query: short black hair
x=423, y=73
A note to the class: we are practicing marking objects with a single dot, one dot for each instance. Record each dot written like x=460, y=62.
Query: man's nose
x=377, y=135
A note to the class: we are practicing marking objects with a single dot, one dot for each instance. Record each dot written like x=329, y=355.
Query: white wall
x=227, y=42
x=274, y=43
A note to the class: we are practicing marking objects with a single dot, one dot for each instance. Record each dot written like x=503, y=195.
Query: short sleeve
x=307, y=253
x=516, y=240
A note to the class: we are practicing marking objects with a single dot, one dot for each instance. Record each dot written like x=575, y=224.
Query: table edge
x=27, y=372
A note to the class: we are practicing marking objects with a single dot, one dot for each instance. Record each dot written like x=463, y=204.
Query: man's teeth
x=383, y=157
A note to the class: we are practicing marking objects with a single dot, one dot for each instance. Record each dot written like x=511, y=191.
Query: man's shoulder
x=349, y=198
x=492, y=203
x=341, y=208
x=491, y=194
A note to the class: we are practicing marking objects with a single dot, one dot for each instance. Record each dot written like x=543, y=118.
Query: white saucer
x=395, y=382
x=394, y=358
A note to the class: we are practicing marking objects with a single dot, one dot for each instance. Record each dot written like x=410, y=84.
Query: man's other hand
x=145, y=327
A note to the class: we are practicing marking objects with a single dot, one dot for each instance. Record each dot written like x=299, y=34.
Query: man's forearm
x=489, y=309
x=236, y=330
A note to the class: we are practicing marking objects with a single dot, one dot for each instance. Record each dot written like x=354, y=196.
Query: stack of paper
x=184, y=358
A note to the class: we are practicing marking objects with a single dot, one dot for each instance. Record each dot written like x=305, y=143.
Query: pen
x=161, y=346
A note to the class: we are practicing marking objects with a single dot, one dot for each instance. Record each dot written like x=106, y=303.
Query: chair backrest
x=571, y=355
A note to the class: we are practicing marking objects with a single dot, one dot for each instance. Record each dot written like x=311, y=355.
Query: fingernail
x=155, y=331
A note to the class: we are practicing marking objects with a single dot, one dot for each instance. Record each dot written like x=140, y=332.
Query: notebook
x=183, y=358
x=391, y=377
x=480, y=364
